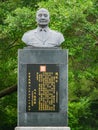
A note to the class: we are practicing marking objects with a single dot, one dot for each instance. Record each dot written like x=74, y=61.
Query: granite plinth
x=42, y=128
x=42, y=56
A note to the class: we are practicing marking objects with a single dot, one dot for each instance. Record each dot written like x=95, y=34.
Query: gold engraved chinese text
x=34, y=97
x=29, y=92
x=48, y=96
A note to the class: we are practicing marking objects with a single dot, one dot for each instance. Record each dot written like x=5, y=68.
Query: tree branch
x=8, y=91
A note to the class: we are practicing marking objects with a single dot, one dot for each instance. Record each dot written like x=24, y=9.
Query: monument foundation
x=42, y=128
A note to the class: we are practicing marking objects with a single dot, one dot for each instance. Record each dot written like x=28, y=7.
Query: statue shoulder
x=58, y=35
x=29, y=32
x=27, y=36
x=56, y=32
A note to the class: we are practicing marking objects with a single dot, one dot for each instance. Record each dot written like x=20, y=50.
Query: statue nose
x=43, y=16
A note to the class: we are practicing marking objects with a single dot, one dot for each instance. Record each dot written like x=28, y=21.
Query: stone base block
x=42, y=128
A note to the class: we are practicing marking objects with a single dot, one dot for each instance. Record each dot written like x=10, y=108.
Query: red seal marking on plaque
x=42, y=68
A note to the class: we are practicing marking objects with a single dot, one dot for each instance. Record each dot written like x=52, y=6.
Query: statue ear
x=36, y=19
x=49, y=20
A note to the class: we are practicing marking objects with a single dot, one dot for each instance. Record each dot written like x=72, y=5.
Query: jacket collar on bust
x=39, y=29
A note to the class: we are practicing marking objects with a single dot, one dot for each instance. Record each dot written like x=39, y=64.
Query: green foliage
x=78, y=21
x=79, y=113
x=8, y=112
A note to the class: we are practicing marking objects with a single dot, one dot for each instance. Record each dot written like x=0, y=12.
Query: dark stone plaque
x=42, y=88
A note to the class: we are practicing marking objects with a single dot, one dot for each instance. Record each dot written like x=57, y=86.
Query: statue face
x=42, y=17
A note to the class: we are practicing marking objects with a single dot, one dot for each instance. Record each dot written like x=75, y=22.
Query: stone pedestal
x=42, y=128
x=51, y=61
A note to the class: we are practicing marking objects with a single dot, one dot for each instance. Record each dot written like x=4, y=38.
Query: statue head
x=42, y=17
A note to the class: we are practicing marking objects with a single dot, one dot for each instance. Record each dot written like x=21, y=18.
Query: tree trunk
x=8, y=91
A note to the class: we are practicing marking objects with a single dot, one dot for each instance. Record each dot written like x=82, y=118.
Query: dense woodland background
x=78, y=21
